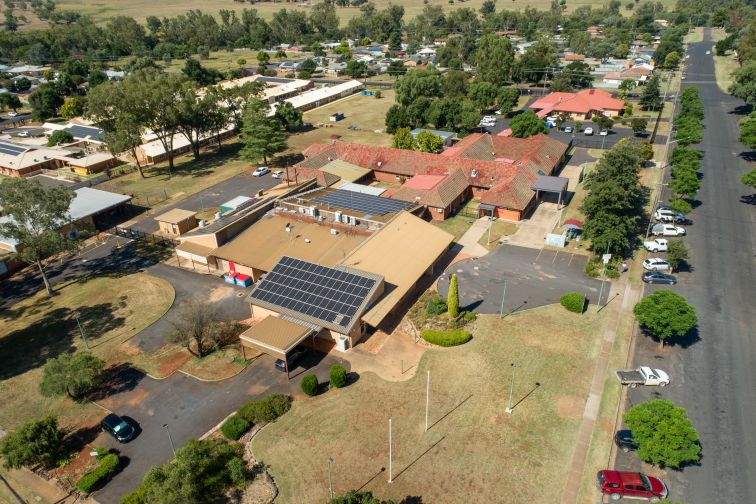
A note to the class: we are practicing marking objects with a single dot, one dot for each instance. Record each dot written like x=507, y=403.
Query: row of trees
x=685, y=163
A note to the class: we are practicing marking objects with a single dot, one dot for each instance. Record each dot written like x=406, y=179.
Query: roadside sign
x=605, y=258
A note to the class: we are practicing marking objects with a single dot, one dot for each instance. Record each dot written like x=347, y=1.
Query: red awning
x=574, y=222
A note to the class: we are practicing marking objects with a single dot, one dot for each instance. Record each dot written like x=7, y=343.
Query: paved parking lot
x=190, y=408
x=533, y=278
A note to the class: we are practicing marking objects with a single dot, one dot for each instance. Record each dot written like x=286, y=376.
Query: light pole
x=330, y=480
x=656, y=202
x=170, y=439
x=603, y=274
x=503, y=294
x=390, y=471
x=511, y=388
x=490, y=224
x=81, y=330
x=427, y=399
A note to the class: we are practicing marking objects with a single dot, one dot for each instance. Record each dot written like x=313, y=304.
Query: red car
x=633, y=485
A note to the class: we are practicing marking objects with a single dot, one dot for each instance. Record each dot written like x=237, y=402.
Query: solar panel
x=78, y=131
x=360, y=202
x=322, y=293
x=12, y=149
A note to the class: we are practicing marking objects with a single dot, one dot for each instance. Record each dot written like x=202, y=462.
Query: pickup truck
x=656, y=245
x=644, y=375
x=667, y=230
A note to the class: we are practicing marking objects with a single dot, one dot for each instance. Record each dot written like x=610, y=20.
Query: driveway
x=190, y=408
x=243, y=184
x=531, y=232
x=533, y=278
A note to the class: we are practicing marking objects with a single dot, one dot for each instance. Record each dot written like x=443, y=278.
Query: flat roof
x=175, y=216
x=360, y=188
x=90, y=201
x=274, y=335
x=263, y=244
x=401, y=252
x=550, y=184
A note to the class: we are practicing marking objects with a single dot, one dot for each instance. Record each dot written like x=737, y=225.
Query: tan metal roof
x=275, y=336
x=175, y=216
x=195, y=249
x=346, y=171
x=263, y=244
x=401, y=251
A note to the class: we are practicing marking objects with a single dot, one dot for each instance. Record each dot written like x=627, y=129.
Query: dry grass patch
x=499, y=228
x=110, y=309
x=219, y=365
x=724, y=67
x=471, y=445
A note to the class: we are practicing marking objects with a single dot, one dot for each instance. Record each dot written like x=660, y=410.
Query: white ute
x=656, y=245
x=667, y=230
x=644, y=375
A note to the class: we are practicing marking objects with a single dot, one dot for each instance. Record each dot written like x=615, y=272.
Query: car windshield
x=121, y=426
x=646, y=483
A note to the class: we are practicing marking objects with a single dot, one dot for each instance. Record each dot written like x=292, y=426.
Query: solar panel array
x=78, y=131
x=326, y=294
x=360, y=202
x=12, y=149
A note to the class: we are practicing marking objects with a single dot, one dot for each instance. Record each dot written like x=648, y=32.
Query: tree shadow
x=412, y=499
x=99, y=319
x=748, y=199
x=689, y=339
x=749, y=156
x=471, y=307
x=76, y=440
x=117, y=379
x=744, y=109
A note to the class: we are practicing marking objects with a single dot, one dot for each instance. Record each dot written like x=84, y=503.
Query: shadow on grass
x=117, y=379
x=450, y=412
x=419, y=457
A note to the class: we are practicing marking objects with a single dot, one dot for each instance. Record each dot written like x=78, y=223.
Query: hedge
x=446, y=338
x=310, y=385
x=338, y=376
x=573, y=301
x=234, y=427
x=267, y=409
x=99, y=475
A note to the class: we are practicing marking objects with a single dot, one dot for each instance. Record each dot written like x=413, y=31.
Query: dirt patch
x=570, y=406
x=173, y=363
x=219, y=293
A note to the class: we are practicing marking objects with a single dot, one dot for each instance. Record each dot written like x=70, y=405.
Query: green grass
x=724, y=67
x=111, y=310
x=499, y=228
x=695, y=36
x=473, y=448
x=459, y=223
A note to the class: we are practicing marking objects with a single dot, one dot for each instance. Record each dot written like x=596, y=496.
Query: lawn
x=724, y=67
x=110, y=309
x=498, y=228
x=572, y=211
x=460, y=222
x=188, y=176
x=473, y=448
x=695, y=36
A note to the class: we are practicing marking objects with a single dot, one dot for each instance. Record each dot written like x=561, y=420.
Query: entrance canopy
x=545, y=183
x=276, y=336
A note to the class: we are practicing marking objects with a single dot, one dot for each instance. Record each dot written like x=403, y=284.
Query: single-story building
x=580, y=106
x=441, y=195
x=176, y=222
x=447, y=137
x=24, y=160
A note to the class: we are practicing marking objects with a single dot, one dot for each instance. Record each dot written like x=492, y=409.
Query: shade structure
x=573, y=224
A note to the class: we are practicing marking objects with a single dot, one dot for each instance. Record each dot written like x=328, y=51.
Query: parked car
x=667, y=230
x=588, y=131
x=656, y=264
x=624, y=440
x=293, y=358
x=684, y=76
x=23, y=133
x=668, y=215
x=708, y=52
x=12, y=113
x=657, y=277
x=634, y=485
x=278, y=174
x=260, y=171
x=119, y=428
x=656, y=245
x=604, y=132
x=643, y=375
x=568, y=129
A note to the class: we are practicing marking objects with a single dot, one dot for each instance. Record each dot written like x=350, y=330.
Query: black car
x=294, y=357
x=624, y=440
x=657, y=277
x=119, y=428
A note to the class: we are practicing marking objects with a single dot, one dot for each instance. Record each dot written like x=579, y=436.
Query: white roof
x=364, y=189
x=235, y=202
x=155, y=147
x=325, y=92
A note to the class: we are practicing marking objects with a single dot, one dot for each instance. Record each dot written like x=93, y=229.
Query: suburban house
x=506, y=167
x=580, y=106
x=637, y=74
x=441, y=195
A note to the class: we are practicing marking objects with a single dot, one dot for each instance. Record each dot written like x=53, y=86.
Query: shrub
x=338, y=376
x=436, y=305
x=469, y=316
x=593, y=267
x=234, y=427
x=310, y=385
x=680, y=205
x=573, y=301
x=237, y=471
x=446, y=338
x=267, y=409
x=99, y=475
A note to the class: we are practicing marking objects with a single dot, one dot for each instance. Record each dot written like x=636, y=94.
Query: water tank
x=341, y=343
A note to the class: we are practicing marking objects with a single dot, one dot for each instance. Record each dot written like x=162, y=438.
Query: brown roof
x=175, y=216
x=195, y=249
x=407, y=241
x=262, y=244
x=441, y=195
x=274, y=335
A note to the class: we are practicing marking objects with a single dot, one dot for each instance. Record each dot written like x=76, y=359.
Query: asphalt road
x=533, y=278
x=243, y=184
x=714, y=371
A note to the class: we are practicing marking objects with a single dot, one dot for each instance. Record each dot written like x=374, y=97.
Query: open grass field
x=110, y=309
x=473, y=448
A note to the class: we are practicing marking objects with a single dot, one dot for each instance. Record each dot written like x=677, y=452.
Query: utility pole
x=330, y=480
x=511, y=388
x=603, y=274
x=504, y=293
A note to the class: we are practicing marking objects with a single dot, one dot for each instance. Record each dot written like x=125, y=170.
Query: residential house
x=580, y=106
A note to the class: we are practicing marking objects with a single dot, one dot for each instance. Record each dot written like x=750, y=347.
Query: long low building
x=324, y=95
x=25, y=160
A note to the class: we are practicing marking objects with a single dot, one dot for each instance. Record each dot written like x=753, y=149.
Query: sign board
x=605, y=258
x=555, y=240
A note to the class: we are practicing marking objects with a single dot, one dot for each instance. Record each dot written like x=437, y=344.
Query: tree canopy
x=261, y=136
x=72, y=373
x=35, y=442
x=748, y=131
x=428, y=142
x=527, y=124
x=665, y=315
x=744, y=84
x=494, y=58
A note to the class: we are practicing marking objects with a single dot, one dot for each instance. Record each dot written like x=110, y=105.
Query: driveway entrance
x=532, y=232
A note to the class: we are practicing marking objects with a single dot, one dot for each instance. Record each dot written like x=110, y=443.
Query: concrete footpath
x=622, y=297
x=469, y=240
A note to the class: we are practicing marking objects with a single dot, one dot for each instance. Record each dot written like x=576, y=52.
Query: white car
x=12, y=113
x=260, y=171
x=656, y=264
x=667, y=230
x=23, y=133
x=656, y=245
x=708, y=52
x=588, y=131
x=278, y=174
x=604, y=132
x=568, y=129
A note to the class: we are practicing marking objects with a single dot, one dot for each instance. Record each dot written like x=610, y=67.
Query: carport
x=277, y=337
x=550, y=184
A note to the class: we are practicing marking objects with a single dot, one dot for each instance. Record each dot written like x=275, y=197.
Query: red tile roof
x=423, y=182
x=582, y=102
x=444, y=191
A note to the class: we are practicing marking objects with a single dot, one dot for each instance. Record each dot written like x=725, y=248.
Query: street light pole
x=81, y=331
x=504, y=293
x=490, y=224
x=427, y=399
x=330, y=480
x=170, y=439
x=511, y=388
x=603, y=276
x=390, y=471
